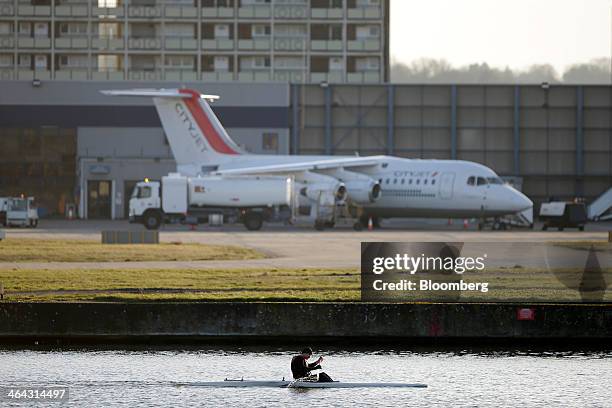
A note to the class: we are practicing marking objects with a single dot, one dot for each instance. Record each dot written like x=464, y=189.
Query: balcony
x=107, y=75
x=137, y=74
x=366, y=12
x=288, y=12
x=254, y=76
x=7, y=9
x=28, y=74
x=180, y=43
x=107, y=43
x=329, y=45
x=218, y=44
x=144, y=12
x=289, y=75
x=37, y=11
x=371, y=44
x=325, y=13
x=72, y=10
x=255, y=11
x=150, y=43
x=218, y=76
x=254, y=44
x=71, y=74
x=181, y=75
x=71, y=42
x=7, y=42
x=176, y=11
x=34, y=42
x=290, y=43
x=218, y=12
x=6, y=73
x=363, y=77
x=105, y=12
x=330, y=77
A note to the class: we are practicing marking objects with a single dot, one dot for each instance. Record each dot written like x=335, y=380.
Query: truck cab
x=145, y=196
x=18, y=212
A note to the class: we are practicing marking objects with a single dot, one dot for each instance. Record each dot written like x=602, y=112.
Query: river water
x=458, y=377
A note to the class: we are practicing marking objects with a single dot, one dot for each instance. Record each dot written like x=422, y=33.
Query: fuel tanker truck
x=250, y=200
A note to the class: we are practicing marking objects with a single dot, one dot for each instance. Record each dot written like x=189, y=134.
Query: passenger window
x=387, y=181
x=410, y=181
x=394, y=181
x=471, y=180
x=403, y=181
x=418, y=181
x=482, y=181
x=425, y=181
x=433, y=181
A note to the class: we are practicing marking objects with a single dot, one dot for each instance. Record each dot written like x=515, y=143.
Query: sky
x=513, y=33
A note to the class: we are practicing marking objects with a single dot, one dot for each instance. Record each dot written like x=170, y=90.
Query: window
x=394, y=181
x=387, y=181
x=418, y=181
x=270, y=141
x=425, y=181
x=433, y=181
x=494, y=180
x=403, y=181
x=482, y=181
x=410, y=181
x=471, y=181
x=144, y=192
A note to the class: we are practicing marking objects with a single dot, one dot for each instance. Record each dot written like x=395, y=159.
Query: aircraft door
x=447, y=181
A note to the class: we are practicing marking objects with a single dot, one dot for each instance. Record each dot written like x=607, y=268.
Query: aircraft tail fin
x=195, y=134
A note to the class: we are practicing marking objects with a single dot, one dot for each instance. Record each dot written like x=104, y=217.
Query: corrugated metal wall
x=557, y=137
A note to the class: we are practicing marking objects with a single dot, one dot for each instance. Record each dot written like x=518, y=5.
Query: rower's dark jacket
x=299, y=367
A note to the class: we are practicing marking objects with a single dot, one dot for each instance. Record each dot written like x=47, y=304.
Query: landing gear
x=365, y=219
x=499, y=226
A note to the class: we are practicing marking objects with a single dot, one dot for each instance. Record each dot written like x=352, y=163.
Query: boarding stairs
x=601, y=208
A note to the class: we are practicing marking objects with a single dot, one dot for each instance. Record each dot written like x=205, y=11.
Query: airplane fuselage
x=419, y=188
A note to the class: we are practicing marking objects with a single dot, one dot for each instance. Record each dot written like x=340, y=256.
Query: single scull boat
x=304, y=384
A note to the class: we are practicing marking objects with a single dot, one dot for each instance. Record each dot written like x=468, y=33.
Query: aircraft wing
x=342, y=162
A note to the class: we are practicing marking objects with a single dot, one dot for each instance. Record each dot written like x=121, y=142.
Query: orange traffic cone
x=370, y=224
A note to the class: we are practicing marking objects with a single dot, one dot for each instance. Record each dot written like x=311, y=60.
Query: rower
x=300, y=368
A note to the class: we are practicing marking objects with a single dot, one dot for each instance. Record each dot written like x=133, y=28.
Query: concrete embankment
x=151, y=322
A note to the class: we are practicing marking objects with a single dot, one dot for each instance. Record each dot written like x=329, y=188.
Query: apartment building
x=299, y=41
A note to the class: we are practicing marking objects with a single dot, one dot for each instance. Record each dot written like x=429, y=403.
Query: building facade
x=304, y=41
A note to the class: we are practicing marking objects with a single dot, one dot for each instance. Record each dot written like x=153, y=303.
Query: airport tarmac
x=290, y=246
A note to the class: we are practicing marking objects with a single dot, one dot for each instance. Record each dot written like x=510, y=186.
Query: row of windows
x=483, y=181
x=409, y=181
x=406, y=193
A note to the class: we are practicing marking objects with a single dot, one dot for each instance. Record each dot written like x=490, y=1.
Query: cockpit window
x=494, y=180
x=481, y=181
x=471, y=180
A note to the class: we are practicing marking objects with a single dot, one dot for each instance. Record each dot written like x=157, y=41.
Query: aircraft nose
x=520, y=201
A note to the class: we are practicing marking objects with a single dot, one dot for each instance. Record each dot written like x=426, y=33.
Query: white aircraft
x=377, y=186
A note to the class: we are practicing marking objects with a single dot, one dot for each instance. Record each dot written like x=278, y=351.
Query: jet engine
x=361, y=188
